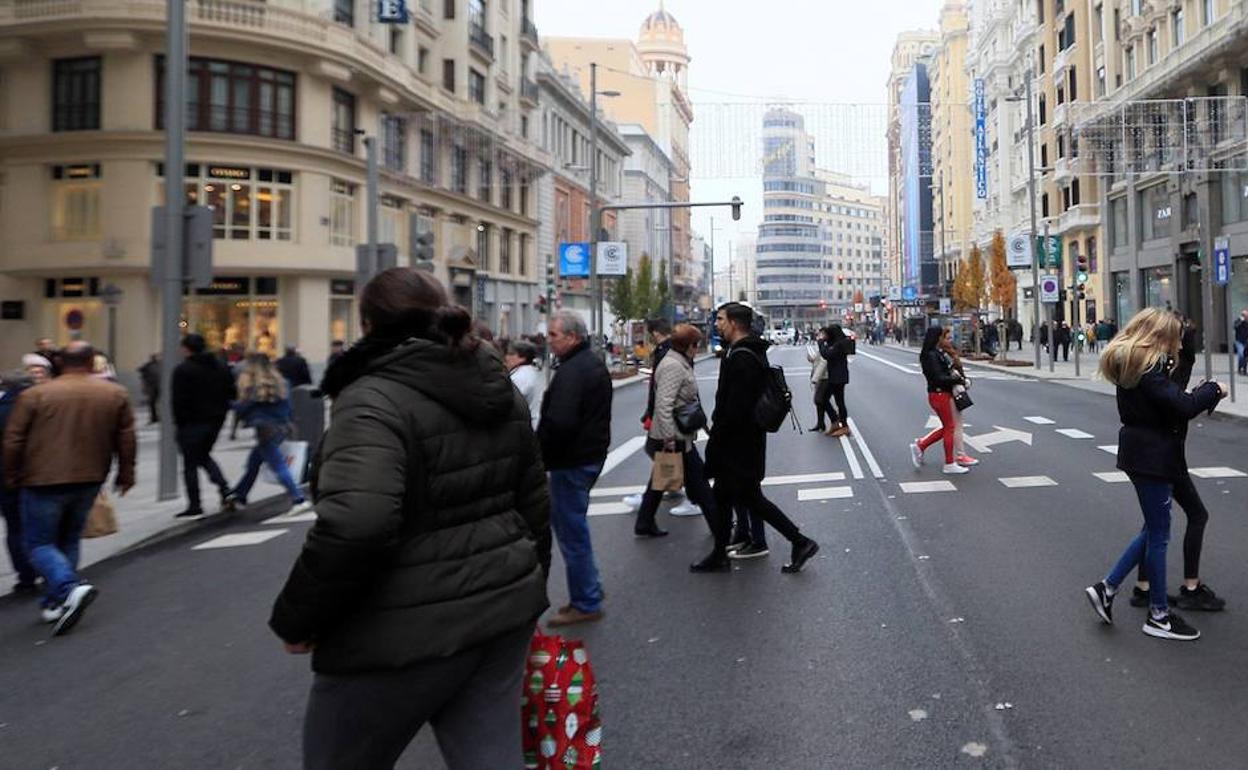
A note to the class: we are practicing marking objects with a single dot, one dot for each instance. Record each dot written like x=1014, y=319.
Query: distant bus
x=715, y=344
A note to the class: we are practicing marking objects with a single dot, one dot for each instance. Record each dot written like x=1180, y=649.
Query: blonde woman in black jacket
x=1154, y=411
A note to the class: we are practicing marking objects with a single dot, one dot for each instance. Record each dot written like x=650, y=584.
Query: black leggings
x=1188, y=498
x=823, y=402
x=838, y=392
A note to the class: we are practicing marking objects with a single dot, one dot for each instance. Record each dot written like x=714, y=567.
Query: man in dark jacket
x=294, y=368
x=149, y=375
x=575, y=433
x=10, y=389
x=1063, y=339
x=202, y=391
x=736, y=457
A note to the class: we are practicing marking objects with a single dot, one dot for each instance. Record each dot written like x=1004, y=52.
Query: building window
x=1098, y=23
x=483, y=246
x=1177, y=32
x=233, y=97
x=1119, y=236
x=1066, y=34
x=392, y=224
x=1074, y=192
x=343, y=124
x=1129, y=54
x=448, y=9
x=485, y=179
x=396, y=40
x=1092, y=256
x=1152, y=46
x=428, y=163
x=247, y=203
x=1044, y=154
x=524, y=255
x=1072, y=80
x=504, y=189
x=344, y=12
x=341, y=213
x=1100, y=81
x=76, y=94
x=1044, y=115
x=422, y=60
x=76, y=193
x=448, y=74
x=459, y=170
x=1044, y=205
x=524, y=197
x=504, y=252
x=476, y=86
x=1207, y=12
x=477, y=15
x=1041, y=61
x=393, y=142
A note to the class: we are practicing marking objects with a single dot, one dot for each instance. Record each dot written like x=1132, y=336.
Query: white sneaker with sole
x=51, y=614
x=953, y=469
x=299, y=508
x=632, y=501
x=685, y=509
x=75, y=605
x=916, y=455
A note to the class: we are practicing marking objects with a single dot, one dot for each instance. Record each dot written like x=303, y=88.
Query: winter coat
x=660, y=351
x=202, y=390
x=575, y=429
x=818, y=367
x=837, y=356
x=674, y=387
x=8, y=398
x=528, y=380
x=737, y=450
x=938, y=371
x=432, y=533
x=255, y=414
x=1241, y=331
x=1155, y=413
x=295, y=370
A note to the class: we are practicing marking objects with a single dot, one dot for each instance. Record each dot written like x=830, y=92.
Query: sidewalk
x=141, y=517
x=1064, y=374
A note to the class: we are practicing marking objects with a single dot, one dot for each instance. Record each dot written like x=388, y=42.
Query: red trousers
x=942, y=405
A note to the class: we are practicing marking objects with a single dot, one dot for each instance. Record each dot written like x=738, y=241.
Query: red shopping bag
x=561, y=727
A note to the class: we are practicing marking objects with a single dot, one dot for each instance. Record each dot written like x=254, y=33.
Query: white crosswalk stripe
x=288, y=519
x=1110, y=448
x=923, y=487
x=237, y=539
x=609, y=509
x=1074, y=433
x=1113, y=477
x=824, y=493
x=1217, y=473
x=1039, y=420
x=1023, y=482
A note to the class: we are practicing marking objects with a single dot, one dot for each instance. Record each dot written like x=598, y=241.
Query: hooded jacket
x=737, y=450
x=432, y=533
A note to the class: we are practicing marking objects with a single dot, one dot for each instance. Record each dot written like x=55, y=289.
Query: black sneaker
x=1170, y=627
x=716, y=562
x=803, y=550
x=1102, y=602
x=189, y=513
x=1202, y=599
x=1139, y=597
x=738, y=541
x=750, y=551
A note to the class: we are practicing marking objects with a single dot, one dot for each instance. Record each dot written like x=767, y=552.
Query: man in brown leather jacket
x=58, y=448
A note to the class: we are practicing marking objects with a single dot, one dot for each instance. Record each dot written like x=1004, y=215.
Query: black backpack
x=776, y=400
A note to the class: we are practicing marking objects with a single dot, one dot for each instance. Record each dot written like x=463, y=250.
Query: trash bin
x=308, y=414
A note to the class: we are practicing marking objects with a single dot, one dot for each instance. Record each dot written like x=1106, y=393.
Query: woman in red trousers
x=941, y=378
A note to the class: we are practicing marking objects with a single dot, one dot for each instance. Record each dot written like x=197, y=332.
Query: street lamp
x=595, y=215
x=1031, y=194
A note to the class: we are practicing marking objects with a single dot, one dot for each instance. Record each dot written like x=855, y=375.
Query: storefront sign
x=574, y=260
x=1018, y=251
x=612, y=258
x=225, y=285
x=229, y=172
x=392, y=12
x=1164, y=213
x=981, y=141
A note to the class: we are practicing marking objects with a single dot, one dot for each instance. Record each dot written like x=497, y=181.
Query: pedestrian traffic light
x=551, y=278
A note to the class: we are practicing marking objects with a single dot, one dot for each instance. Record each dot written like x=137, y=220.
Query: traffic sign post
x=1222, y=277
x=1050, y=289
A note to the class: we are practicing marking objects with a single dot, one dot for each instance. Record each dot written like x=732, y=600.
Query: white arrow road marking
x=1039, y=420
x=1001, y=435
x=851, y=458
x=622, y=453
x=1022, y=482
x=239, y=538
x=1074, y=433
x=824, y=493
x=866, y=451
x=1113, y=477
x=1217, y=473
x=922, y=487
x=1111, y=448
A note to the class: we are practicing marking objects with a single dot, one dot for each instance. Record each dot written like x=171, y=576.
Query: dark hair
x=659, y=326
x=738, y=315
x=526, y=350
x=339, y=343
x=834, y=332
x=194, y=343
x=685, y=338
x=78, y=355
x=931, y=339
x=402, y=302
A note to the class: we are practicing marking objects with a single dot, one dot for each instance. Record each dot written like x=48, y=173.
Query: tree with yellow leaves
x=970, y=286
x=1004, y=283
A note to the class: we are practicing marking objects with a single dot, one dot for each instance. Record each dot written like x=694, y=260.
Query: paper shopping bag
x=102, y=519
x=669, y=472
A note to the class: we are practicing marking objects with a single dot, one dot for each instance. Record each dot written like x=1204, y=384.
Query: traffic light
x=541, y=304
x=1081, y=274
x=736, y=208
x=551, y=277
x=423, y=253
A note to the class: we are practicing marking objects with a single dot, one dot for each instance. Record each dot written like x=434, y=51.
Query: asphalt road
x=934, y=629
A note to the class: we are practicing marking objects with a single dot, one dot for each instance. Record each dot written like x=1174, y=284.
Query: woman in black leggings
x=1193, y=595
x=835, y=351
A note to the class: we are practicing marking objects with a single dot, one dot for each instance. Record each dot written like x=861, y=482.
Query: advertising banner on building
x=574, y=260
x=612, y=258
x=981, y=141
x=1018, y=251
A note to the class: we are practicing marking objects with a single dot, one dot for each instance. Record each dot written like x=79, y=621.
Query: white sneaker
x=633, y=501
x=75, y=605
x=299, y=508
x=685, y=509
x=51, y=614
x=916, y=454
x=953, y=469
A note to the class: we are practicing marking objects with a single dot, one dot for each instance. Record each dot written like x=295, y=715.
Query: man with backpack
x=750, y=400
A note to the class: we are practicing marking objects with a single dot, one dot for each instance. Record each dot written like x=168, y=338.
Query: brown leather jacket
x=66, y=432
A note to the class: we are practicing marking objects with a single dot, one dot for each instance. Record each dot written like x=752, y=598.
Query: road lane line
x=622, y=453
x=1074, y=433
x=854, y=467
x=1113, y=477
x=866, y=451
x=1039, y=420
x=886, y=362
x=922, y=487
x=1023, y=482
x=239, y=539
x=1217, y=473
x=824, y=493
x=807, y=478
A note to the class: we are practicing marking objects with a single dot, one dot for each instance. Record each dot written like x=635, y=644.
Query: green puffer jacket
x=432, y=532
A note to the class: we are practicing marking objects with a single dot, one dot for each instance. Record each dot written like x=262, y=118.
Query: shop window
x=236, y=313
x=76, y=94
x=233, y=97
x=76, y=194
x=341, y=213
x=248, y=203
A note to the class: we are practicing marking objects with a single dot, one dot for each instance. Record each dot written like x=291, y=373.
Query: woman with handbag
x=264, y=405
x=834, y=349
x=678, y=417
x=819, y=384
x=941, y=379
x=961, y=402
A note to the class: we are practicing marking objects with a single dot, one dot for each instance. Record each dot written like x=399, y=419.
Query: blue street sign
x=981, y=140
x=1222, y=261
x=392, y=11
x=909, y=293
x=574, y=260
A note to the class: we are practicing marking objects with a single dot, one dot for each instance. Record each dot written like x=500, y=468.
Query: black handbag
x=689, y=418
x=963, y=401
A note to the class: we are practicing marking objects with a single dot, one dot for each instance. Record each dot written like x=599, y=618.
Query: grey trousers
x=472, y=699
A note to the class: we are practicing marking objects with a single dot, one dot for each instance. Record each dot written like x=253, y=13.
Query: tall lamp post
x=1031, y=194
x=595, y=216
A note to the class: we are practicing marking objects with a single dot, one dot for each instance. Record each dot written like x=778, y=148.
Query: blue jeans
x=569, y=517
x=52, y=522
x=12, y=509
x=1242, y=354
x=1150, y=545
x=267, y=451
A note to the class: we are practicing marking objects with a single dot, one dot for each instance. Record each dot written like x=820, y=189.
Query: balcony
x=528, y=34
x=481, y=42
x=1061, y=62
x=528, y=92
x=1059, y=117
x=1022, y=30
x=1080, y=217
x=1063, y=170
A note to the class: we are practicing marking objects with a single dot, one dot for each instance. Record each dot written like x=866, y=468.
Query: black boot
x=803, y=550
x=716, y=562
x=650, y=531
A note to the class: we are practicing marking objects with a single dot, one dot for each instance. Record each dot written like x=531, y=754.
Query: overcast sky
x=806, y=50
